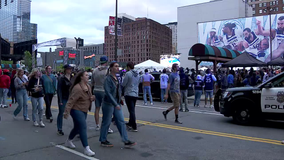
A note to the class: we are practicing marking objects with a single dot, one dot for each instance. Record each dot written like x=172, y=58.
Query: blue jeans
x=147, y=89
x=198, y=94
x=183, y=98
x=22, y=98
x=80, y=126
x=163, y=92
x=60, y=115
x=3, y=95
x=37, y=104
x=108, y=111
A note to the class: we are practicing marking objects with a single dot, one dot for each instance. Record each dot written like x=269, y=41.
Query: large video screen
x=246, y=35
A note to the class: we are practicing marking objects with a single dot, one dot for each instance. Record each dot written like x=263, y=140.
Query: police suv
x=247, y=104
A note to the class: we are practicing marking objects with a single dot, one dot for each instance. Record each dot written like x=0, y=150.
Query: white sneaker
x=89, y=152
x=27, y=119
x=152, y=104
x=211, y=106
x=98, y=128
x=41, y=124
x=145, y=104
x=70, y=144
x=110, y=130
x=35, y=124
x=282, y=142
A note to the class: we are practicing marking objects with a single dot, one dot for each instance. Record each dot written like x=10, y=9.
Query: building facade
x=188, y=20
x=277, y=6
x=92, y=54
x=173, y=27
x=15, y=21
x=142, y=39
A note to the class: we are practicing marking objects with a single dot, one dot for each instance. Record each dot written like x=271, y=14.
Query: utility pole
x=115, y=39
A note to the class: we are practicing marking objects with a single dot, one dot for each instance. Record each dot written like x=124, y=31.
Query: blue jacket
x=112, y=93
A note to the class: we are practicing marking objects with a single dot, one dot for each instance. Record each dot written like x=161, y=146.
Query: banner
x=72, y=55
x=57, y=42
x=111, y=26
x=250, y=35
x=61, y=53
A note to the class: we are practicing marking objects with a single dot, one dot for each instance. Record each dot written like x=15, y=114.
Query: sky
x=86, y=18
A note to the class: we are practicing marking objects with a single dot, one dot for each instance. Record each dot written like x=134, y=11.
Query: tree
x=28, y=60
x=59, y=68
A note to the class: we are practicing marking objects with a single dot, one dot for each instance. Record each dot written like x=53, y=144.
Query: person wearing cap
x=213, y=39
x=98, y=78
x=4, y=87
x=198, y=89
x=63, y=91
x=49, y=82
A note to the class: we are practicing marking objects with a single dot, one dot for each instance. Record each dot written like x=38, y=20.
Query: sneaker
x=51, y=120
x=198, y=106
x=97, y=127
x=178, y=122
x=89, y=152
x=41, y=124
x=181, y=110
x=186, y=110
x=110, y=131
x=106, y=144
x=145, y=104
x=211, y=106
x=165, y=115
x=152, y=104
x=129, y=144
x=132, y=130
x=27, y=119
x=4, y=106
x=60, y=133
x=282, y=142
x=70, y=144
x=36, y=124
x=128, y=126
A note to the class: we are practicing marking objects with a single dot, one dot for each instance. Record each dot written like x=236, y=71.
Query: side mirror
x=268, y=85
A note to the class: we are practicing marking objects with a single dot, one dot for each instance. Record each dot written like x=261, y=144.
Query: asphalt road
x=204, y=134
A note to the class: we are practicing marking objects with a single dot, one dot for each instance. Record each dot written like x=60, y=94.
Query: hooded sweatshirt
x=98, y=78
x=131, y=83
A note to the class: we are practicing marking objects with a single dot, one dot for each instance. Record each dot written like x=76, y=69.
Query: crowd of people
x=107, y=88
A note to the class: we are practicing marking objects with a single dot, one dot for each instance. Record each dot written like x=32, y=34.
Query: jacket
x=112, y=91
x=63, y=88
x=19, y=81
x=131, y=83
x=79, y=99
x=31, y=87
x=98, y=78
x=5, y=81
x=184, y=81
x=49, y=83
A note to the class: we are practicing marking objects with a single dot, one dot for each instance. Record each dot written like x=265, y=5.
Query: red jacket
x=5, y=81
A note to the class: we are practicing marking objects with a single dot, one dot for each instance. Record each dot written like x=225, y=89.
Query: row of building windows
x=265, y=11
x=272, y=3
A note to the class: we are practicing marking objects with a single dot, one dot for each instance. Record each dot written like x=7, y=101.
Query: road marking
x=75, y=152
x=191, y=110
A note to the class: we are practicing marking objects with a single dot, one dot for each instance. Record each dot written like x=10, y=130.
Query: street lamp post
x=115, y=39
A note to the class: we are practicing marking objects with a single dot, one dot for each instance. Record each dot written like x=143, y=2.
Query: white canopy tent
x=150, y=65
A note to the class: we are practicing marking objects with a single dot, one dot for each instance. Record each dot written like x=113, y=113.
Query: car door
x=272, y=99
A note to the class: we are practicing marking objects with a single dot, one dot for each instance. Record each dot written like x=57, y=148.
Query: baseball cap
x=213, y=30
x=103, y=59
x=67, y=66
x=5, y=71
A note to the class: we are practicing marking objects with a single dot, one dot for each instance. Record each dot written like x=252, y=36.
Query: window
x=276, y=9
x=276, y=2
x=260, y=4
x=283, y=7
x=264, y=4
x=260, y=11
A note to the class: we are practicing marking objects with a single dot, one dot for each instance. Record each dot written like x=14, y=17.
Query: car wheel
x=243, y=115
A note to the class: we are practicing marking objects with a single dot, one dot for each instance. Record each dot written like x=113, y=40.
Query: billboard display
x=246, y=35
x=169, y=60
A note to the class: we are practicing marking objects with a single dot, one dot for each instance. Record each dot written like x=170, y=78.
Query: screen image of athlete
x=232, y=39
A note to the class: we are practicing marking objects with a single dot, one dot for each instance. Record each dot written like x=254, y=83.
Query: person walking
x=230, y=79
x=13, y=89
x=146, y=82
x=209, y=80
x=184, y=84
x=130, y=84
x=49, y=82
x=21, y=84
x=4, y=88
x=164, y=78
x=36, y=88
x=63, y=91
x=111, y=106
x=174, y=87
x=98, y=78
x=78, y=105
x=198, y=89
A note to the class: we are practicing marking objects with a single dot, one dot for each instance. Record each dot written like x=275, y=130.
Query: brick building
x=277, y=6
x=142, y=39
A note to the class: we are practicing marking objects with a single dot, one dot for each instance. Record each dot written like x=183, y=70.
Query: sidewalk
x=201, y=99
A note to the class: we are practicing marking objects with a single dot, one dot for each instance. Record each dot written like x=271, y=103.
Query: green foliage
x=6, y=62
x=28, y=61
x=87, y=68
x=59, y=68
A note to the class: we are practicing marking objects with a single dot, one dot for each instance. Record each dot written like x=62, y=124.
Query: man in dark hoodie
x=184, y=83
x=131, y=85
